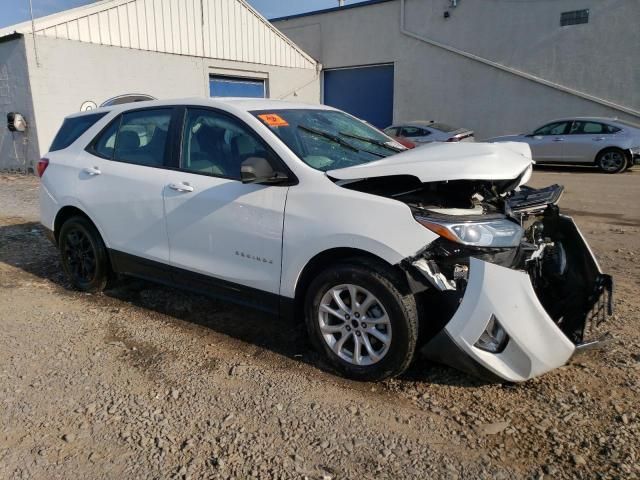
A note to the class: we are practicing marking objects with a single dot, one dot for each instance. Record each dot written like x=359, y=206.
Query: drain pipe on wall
x=510, y=70
x=33, y=33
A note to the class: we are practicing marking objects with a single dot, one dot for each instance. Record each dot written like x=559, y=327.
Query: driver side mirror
x=259, y=170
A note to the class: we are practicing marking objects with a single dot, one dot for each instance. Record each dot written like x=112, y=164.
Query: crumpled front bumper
x=536, y=344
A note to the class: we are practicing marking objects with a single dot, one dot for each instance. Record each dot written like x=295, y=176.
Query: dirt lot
x=149, y=382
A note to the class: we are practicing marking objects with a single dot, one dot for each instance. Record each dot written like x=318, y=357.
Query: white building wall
x=18, y=150
x=70, y=73
x=224, y=29
x=598, y=59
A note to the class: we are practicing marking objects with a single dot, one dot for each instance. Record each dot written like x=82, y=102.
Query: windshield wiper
x=373, y=141
x=329, y=136
x=338, y=140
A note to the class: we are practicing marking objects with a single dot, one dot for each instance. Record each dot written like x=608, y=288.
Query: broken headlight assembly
x=494, y=233
x=445, y=262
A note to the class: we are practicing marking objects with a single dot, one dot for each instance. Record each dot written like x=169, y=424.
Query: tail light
x=460, y=137
x=42, y=166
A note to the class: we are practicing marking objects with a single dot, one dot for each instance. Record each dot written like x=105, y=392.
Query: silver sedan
x=423, y=131
x=611, y=144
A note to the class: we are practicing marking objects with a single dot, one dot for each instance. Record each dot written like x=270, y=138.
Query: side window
x=142, y=137
x=72, y=129
x=593, y=127
x=391, y=131
x=588, y=128
x=413, y=132
x=106, y=141
x=611, y=129
x=555, y=128
x=216, y=144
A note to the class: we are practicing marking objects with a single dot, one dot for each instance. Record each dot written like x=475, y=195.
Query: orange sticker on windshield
x=273, y=120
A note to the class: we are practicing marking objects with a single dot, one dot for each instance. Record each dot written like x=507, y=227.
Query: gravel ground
x=149, y=382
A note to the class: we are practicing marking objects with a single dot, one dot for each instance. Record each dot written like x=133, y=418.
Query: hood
x=440, y=162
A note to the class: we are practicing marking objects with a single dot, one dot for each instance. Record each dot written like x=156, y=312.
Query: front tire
x=612, y=160
x=83, y=255
x=362, y=323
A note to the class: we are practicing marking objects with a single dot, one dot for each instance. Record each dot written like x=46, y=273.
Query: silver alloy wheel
x=355, y=324
x=612, y=161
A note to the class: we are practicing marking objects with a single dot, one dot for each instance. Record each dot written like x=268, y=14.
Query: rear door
x=547, y=142
x=586, y=139
x=224, y=236
x=122, y=175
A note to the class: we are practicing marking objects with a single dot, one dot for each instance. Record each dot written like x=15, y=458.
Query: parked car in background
x=305, y=211
x=612, y=145
x=422, y=131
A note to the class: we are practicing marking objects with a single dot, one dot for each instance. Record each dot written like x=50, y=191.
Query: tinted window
x=590, y=128
x=414, y=132
x=106, y=141
x=142, y=137
x=72, y=129
x=574, y=17
x=556, y=128
x=217, y=144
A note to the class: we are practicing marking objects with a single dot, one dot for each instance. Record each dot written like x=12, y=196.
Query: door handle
x=558, y=139
x=181, y=187
x=92, y=171
x=599, y=139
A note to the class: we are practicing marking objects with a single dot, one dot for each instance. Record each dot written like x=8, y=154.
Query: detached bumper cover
x=536, y=344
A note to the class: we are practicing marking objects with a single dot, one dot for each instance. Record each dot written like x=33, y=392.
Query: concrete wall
x=71, y=73
x=599, y=58
x=18, y=151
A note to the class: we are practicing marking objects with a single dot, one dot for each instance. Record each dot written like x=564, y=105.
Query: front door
x=227, y=233
x=547, y=142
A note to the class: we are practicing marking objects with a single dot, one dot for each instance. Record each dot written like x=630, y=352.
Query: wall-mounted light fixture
x=16, y=122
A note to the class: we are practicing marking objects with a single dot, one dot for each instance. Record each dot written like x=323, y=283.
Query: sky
x=16, y=11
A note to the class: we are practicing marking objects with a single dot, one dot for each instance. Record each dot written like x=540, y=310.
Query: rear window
x=72, y=128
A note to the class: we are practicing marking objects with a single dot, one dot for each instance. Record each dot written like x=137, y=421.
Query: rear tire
x=612, y=160
x=358, y=318
x=83, y=255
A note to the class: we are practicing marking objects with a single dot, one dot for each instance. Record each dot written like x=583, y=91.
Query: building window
x=575, y=17
x=223, y=86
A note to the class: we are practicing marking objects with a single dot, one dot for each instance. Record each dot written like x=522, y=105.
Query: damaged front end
x=515, y=286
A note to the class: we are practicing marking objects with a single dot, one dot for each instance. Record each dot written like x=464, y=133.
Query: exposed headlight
x=494, y=338
x=500, y=232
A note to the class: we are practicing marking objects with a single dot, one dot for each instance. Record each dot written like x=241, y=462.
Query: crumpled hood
x=438, y=162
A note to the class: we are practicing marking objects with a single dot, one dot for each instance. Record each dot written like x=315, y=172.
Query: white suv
x=306, y=211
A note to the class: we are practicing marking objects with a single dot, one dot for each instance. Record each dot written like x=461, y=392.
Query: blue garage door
x=366, y=92
x=236, y=87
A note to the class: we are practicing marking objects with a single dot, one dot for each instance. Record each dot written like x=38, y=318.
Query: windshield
x=328, y=139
